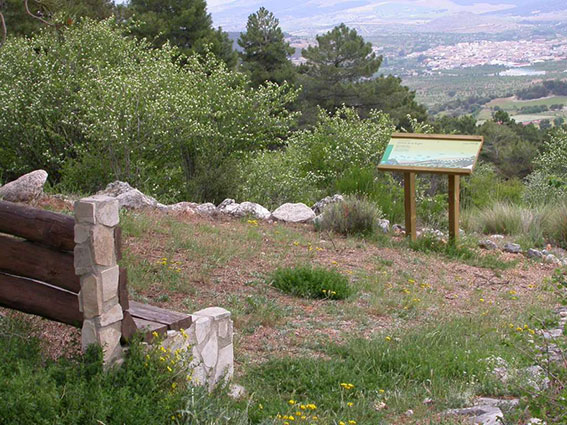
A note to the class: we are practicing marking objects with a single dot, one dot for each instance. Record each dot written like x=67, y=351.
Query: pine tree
x=184, y=23
x=340, y=69
x=266, y=53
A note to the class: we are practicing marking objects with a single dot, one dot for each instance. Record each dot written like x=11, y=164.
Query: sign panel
x=431, y=153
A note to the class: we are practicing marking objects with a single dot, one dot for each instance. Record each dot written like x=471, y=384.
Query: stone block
x=215, y=313
x=109, y=340
x=210, y=351
x=85, y=211
x=88, y=334
x=91, y=296
x=113, y=315
x=109, y=279
x=107, y=210
x=82, y=259
x=102, y=242
x=225, y=332
x=225, y=364
x=202, y=328
x=82, y=233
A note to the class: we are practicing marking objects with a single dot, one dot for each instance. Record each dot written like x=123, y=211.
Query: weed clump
x=311, y=282
x=354, y=216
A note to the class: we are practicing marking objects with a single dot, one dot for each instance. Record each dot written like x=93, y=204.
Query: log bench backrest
x=36, y=263
x=38, y=274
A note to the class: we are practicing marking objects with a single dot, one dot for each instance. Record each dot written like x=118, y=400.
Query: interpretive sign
x=431, y=153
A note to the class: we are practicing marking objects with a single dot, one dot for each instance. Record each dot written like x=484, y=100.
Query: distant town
x=517, y=53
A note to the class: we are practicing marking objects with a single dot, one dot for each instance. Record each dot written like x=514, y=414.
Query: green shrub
x=311, y=282
x=354, y=216
x=485, y=187
x=556, y=224
x=89, y=105
x=273, y=178
x=376, y=186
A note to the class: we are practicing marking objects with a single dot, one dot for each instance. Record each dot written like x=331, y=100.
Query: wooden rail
x=37, y=273
x=48, y=228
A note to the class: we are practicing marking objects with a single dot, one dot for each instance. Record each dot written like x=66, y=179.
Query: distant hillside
x=376, y=17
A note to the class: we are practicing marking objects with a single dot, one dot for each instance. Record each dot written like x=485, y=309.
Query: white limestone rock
x=293, y=213
x=26, y=188
x=129, y=197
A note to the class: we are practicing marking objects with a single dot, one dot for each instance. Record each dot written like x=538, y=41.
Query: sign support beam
x=454, y=189
x=410, y=210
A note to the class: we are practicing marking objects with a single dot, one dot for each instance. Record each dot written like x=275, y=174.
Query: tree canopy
x=340, y=70
x=265, y=54
x=184, y=23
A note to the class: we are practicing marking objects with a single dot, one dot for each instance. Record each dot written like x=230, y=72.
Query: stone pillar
x=208, y=343
x=95, y=262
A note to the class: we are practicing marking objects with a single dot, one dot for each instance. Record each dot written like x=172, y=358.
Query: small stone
x=82, y=260
x=427, y=401
x=398, y=228
x=225, y=364
x=534, y=253
x=206, y=209
x=216, y=313
x=551, y=259
x=384, y=225
x=109, y=280
x=210, y=351
x=236, y=391
x=496, y=237
x=319, y=206
x=91, y=297
x=293, y=213
x=488, y=244
x=512, y=248
x=82, y=233
x=202, y=328
x=107, y=211
x=409, y=413
x=114, y=315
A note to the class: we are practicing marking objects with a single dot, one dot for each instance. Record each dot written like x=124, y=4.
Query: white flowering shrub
x=315, y=159
x=548, y=183
x=91, y=105
x=340, y=141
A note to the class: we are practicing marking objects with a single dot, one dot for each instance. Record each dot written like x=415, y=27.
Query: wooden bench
x=37, y=273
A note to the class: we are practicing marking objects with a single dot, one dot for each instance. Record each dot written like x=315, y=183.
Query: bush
x=90, y=105
x=556, y=223
x=311, y=282
x=354, y=216
x=485, y=187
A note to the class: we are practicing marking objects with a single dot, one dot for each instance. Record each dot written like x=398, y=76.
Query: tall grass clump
x=509, y=219
x=556, y=223
x=354, y=216
x=311, y=282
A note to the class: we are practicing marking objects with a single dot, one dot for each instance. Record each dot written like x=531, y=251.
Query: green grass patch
x=463, y=251
x=311, y=282
x=354, y=216
x=445, y=362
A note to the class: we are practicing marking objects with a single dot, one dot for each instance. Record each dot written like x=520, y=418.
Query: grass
x=446, y=362
x=464, y=251
x=311, y=282
x=354, y=216
x=442, y=309
x=532, y=226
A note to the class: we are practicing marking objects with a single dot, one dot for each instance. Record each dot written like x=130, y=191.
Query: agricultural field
x=514, y=106
x=417, y=332
x=483, y=81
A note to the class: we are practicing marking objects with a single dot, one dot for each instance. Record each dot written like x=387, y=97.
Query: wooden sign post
x=431, y=153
